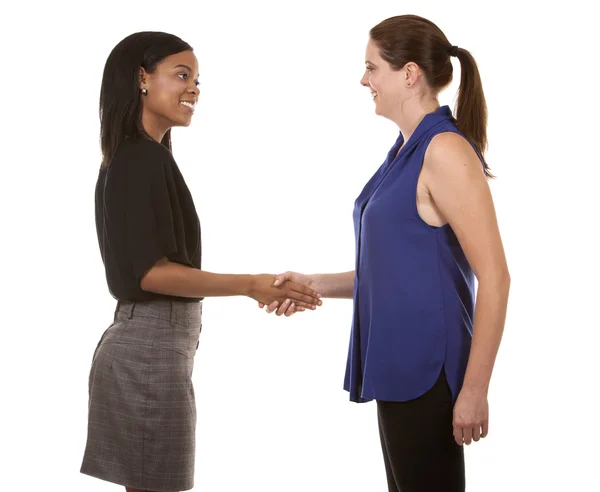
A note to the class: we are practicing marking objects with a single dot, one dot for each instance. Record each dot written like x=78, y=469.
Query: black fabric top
x=144, y=212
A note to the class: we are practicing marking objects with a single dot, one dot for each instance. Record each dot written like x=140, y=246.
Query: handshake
x=291, y=292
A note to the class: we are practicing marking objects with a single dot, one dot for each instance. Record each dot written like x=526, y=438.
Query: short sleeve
x=150, y=223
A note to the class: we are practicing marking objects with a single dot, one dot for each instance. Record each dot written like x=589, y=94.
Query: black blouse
x=144, y=212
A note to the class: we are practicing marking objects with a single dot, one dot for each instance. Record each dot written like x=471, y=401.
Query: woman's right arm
x=332, y=285
x=150, y=225
x=174, y=279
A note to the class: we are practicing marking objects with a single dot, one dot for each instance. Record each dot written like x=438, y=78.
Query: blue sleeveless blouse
x=414, y=293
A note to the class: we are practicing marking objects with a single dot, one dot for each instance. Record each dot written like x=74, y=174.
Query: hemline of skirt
x=137, y=486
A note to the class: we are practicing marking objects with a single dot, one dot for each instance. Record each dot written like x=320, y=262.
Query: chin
x=182, y=122
x=379, y=111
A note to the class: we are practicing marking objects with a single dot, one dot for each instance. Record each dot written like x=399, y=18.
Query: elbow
x=504, y=285
x=498, y=281
x=504, y=278
x=151, y=279
x=147, y=283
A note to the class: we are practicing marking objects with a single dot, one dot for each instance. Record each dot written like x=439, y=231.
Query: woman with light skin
x=142, y=412
x=425, y=227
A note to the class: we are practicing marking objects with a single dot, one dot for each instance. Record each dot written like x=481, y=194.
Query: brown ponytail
x=471, y=108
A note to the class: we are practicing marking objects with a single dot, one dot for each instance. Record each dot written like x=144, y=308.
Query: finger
x=303, y=298
x=458, y=437
x=303, y=304
x=272, y=307
x=284, y=307
x=304, y=293
x=261, y=305
x=476, y=432
x=467, y=435
x=484, y=428
x=281, y=278
x=291, y=310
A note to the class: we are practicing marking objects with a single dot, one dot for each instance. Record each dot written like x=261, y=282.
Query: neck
x=412, y=112
x=154, y=127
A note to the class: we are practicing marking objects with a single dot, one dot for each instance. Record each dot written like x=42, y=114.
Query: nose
x=365, y=80
x=194, y=89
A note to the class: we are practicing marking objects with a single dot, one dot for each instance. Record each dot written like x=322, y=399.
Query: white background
x=282, y=143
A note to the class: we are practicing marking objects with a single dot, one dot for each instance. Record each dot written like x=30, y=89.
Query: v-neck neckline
x=400, y=148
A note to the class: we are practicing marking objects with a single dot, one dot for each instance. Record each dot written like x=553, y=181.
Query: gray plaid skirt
x=142, y=410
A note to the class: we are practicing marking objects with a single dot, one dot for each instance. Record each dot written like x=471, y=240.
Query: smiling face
x=388, y=86
x=172, y=92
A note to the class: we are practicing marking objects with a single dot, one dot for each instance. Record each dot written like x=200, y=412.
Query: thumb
x=281, y=278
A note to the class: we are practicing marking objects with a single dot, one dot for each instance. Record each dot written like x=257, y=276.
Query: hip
x=155, y=325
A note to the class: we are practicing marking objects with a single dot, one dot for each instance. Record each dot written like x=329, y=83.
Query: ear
x=142, y=78
x=411, y=74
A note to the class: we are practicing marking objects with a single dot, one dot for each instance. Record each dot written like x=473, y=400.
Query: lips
x=189, y=104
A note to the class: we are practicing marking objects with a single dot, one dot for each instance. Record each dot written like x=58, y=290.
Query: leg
x=392, y=487
x=418, y=437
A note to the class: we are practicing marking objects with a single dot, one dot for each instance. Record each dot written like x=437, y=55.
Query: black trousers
x=419, y=450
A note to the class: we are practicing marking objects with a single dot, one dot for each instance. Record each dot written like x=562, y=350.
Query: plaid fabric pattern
x=142, y=411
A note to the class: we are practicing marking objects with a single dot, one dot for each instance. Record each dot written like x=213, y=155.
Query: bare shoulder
x=450, y=153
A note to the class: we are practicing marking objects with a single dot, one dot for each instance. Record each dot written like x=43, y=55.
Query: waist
x=171, y=311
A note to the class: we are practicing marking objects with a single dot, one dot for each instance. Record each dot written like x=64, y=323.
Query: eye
x=183, y=75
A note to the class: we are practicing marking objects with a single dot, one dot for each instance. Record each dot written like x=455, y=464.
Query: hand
x=268, y=289
x=288, y=307
x=471, y=416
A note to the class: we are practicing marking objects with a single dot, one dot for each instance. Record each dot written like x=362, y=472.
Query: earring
x=144, y=91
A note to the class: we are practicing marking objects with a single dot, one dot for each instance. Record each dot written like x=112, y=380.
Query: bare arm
x=454, y=176
x=182, y=281
x=333, y=285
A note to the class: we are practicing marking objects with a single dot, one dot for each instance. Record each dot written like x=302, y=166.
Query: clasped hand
x=290, y=305
x=283, y=290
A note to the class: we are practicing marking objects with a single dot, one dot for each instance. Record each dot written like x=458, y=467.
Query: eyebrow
x=184, y=66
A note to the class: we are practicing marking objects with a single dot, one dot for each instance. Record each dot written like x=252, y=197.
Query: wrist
x=316, y=283
x=247, y=285
x=474, y=386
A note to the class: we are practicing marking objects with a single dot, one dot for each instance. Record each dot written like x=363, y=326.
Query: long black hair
x=120, y=104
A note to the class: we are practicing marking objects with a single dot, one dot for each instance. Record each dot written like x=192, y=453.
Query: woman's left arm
x=455, y=179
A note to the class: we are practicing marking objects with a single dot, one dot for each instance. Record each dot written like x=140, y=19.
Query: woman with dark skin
x=142, y=413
